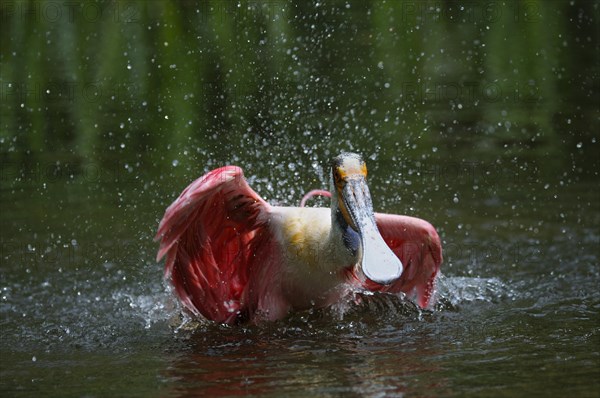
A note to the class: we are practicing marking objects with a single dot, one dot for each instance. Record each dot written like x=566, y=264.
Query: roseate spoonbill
x=234, y=258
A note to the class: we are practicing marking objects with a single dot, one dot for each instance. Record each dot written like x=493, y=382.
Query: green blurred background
x=197, y=81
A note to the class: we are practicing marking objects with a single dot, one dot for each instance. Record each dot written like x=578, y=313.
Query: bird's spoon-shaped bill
x=379, y=263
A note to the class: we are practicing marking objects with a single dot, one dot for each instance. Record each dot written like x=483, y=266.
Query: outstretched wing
x=418, y=246
x=208, y=235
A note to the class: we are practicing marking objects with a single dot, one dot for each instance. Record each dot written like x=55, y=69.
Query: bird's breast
x=311, y=267
x=305, y=236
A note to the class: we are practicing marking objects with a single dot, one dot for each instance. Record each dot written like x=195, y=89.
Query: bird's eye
x=337, y=177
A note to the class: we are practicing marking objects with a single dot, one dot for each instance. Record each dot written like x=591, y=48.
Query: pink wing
x=209, y=235
x=418, y=246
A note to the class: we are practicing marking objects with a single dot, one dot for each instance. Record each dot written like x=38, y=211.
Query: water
x=518, y=311
x=487, y=128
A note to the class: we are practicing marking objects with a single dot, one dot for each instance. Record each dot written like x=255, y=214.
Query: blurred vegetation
x=213, y=81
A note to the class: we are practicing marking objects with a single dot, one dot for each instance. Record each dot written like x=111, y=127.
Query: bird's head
x=353, y=213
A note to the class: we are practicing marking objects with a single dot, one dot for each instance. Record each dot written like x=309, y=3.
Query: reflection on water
x=377, y=348
x=313, y=353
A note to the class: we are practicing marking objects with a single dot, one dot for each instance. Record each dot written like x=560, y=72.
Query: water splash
x=456, y=290
x=364, y=310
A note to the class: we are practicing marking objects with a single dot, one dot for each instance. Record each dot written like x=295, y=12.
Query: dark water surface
x=483, y=121
x=519, y=311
